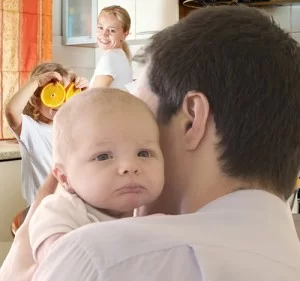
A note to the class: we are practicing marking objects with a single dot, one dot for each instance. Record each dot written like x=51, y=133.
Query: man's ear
x=60, y=174
x=196, y=109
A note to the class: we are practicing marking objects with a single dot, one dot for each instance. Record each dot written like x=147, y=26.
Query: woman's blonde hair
x=32, y=107
x=122, y=15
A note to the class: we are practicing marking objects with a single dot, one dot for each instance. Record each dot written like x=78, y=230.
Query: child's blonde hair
x=122, y=15
x=32, y=109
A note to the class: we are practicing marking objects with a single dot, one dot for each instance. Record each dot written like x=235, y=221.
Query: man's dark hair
x=249, y=70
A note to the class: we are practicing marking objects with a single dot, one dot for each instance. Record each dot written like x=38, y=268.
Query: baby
x=107, y=160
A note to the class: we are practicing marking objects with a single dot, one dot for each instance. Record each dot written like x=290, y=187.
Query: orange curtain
x=25, y=41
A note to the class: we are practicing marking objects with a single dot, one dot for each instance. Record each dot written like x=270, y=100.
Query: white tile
x=135, y=48
x=281, y=15
x=296, y=36
x=57, y=18
x=295, y=18
x=84, y=72
x=72, y=56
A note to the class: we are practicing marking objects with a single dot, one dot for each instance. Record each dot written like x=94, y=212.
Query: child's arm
x=43, y=249
x=19, y=100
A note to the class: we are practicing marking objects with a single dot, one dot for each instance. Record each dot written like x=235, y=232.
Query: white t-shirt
x=115, y=64
x=243, y=236
x=61, y=212
x=36, y=151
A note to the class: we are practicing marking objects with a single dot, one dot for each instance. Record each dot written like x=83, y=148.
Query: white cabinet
x=79, y=21
x=153, y=16
x=128, y=5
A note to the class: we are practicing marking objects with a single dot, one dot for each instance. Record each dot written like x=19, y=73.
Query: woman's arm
x=19, y=263
x=102, y=81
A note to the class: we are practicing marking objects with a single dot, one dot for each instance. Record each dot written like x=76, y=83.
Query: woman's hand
x=19, y=264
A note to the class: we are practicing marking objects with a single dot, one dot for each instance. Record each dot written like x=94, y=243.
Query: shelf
x=194, y=4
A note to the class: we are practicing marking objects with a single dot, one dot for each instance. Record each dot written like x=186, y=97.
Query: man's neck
x=204, y=192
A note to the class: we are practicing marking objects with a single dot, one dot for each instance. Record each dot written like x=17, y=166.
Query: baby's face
x=117, y=164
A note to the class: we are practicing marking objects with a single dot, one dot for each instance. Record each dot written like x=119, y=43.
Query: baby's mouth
x=131, y=188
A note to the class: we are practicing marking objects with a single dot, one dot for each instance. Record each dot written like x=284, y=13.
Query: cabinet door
x=153, y=16
x=79, y=22
x=128, y=5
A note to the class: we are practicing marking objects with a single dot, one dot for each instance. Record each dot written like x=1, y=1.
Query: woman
x=114, y=68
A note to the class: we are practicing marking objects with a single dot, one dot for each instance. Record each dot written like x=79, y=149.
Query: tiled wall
x=83, y=60
x=288, y=17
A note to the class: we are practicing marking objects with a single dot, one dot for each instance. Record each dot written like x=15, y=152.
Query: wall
x=11, y=202
x=288, y=17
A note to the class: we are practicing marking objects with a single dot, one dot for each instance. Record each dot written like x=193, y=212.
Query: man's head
x=226, y=82
x=106, y=149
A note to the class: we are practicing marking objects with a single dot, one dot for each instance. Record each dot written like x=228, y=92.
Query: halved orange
x=298, y=181
x=71, y=90
x=53, y=95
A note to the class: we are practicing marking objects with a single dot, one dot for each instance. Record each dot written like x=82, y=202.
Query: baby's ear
x=59, y=173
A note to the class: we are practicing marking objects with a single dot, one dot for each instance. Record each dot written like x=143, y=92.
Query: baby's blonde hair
x=122, y=15
x=31, y=109
x=98, y=100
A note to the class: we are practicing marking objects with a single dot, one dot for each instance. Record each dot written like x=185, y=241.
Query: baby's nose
x=128, y=168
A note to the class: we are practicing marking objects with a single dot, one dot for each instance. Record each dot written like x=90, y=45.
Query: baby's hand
x=44, y=78
x=81, y=83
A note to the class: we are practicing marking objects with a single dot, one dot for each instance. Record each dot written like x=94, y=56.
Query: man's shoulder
x=120, y=250
x=128, y=229
x=117, y=241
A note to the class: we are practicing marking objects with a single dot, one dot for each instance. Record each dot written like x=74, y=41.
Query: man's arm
x=66, y=261
x=73, y=259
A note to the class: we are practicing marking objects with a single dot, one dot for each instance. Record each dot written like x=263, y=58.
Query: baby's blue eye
x=103, y=157
x=144, y=153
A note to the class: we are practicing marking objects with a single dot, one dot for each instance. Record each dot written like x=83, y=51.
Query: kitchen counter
x=9, y=150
